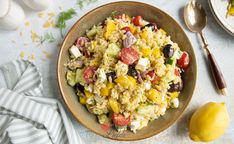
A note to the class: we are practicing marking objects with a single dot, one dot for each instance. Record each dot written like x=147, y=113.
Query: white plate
x=219, y=10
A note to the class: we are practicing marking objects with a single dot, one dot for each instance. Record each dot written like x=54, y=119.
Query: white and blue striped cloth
x=26, y=116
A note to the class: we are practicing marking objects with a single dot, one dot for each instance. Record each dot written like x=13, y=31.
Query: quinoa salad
x=126, y=71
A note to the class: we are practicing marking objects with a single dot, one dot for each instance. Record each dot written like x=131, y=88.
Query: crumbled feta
x=175, y=103
x=101, y=75
x=135, y=124
x=177, y=54
x=74, y=51
x=89, y=88
x=162, y=110
x=90, y=101
x=121, y=68
x=147, y=85
x=143, y=64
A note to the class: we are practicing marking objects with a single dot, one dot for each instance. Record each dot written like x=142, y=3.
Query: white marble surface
x=220, y=42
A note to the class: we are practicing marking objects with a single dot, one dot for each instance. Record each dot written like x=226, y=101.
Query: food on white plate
x=230, y=11
x=126, y=71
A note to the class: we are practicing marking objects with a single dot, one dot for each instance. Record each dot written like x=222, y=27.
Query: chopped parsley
x=63, y=17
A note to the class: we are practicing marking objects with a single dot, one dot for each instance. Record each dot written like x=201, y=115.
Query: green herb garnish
x=47, y=37
x=63, y=17
x=81, y=3
x=169, y=61
x=114, y=13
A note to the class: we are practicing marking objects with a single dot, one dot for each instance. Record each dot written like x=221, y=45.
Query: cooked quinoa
x=127, y=71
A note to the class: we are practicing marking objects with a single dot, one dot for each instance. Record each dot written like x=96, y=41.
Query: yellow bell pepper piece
x=154, y=96
x=156, y=52
x=163, y=31
x=93, y=44
x=104, y=91
x=132, y=81
x=126, y=81
x=231, y=11
x=144, y=35
x=132, y=29
x=114, y=105
x=174, y=94
x=110, y=85
x=88, y=94
x=82, y=100
x=146, y=51
x=122, y=80
x=110, y=27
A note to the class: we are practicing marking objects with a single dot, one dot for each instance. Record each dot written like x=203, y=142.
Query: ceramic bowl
x=151, y=14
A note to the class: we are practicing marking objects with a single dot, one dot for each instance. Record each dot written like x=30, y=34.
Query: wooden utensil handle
x=216, y=72
x=218, y=76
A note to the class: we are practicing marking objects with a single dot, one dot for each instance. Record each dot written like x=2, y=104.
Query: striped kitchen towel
x=26, y=116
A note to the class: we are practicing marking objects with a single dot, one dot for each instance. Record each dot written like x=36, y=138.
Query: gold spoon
x=195, y=19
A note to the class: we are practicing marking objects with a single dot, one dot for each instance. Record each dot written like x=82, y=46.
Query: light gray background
x=221, y=43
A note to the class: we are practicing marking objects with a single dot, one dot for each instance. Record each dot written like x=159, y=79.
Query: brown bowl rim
x=72, y=110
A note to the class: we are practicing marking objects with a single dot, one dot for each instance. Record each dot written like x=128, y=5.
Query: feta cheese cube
x=147, y=85
x=74, y=51
x=175, y=103
x=135, y=124
x=143, y=64
x=89, y=88
x=101, y=75
x=162, y=110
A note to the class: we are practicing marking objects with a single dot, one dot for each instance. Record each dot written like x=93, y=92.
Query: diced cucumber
x=79, y=76
x=71, y=78
x=113, y=50
x=145, y=109
x=91, y=33
x=170, y=61
x=103, y=119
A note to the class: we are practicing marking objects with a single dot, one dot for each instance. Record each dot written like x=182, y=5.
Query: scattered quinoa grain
x=27, y=23
x=22, y=54
x=47, y=54
x=40, y=14
x=34, y=36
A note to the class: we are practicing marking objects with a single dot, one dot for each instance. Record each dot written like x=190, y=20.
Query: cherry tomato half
x=105, y=127
x=137, y=20
x=183, y=62
x=177, y=72
x=88, y=74
x=128, y=55
x=126, y=29
x=156, y=80
x=118, y=16
x=151, y=74
x=120, y=120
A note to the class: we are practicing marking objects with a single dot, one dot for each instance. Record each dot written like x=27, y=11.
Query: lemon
x=209, y=122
